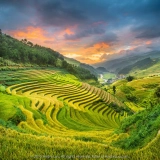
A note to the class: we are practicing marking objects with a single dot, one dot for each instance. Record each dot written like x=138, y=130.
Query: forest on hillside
x=26, y=53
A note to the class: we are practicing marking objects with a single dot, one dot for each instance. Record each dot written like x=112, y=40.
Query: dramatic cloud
x=82, y=33
x=149, y=33
x=93, y=30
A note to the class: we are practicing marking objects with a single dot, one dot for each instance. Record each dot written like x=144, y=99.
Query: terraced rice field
x=65, y=118
x=133, y=107
x=69, y=107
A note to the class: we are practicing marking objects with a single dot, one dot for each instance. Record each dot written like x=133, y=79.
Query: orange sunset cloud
x=148, y=42
x=35, y=34
x=97, y=48
x=91, y=54
x=30, y=33
x=68, y=31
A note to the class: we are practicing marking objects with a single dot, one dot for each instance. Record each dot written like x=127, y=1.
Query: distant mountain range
x=132, y=63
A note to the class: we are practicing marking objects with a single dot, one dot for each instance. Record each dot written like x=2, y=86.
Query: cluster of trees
x=78, y=71
x=26, y=52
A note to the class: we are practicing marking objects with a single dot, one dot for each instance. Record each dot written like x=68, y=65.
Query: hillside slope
x=24, y=53
x=154, y=70
x=83, y=65
x=116, y=65
x=139, y=65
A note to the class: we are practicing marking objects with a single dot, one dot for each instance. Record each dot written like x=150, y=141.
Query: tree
x=64, y=64
x=129, y=78
x=0, y=32
x=24, y=41
x=30, y=44
x=114, y=89
x=157, y=92
x=131, y=98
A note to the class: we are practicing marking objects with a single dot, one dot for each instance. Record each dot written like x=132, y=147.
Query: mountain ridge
x=116, y=65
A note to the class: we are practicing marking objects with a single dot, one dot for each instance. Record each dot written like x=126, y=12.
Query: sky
x=90, y=31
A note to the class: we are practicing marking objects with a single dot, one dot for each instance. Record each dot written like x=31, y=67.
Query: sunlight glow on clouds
x=72, y=55
x=34, y=34
x=148, y=42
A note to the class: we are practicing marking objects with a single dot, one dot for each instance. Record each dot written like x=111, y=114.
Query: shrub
x=18, y=117
x=157, y=92
x=115, y=107
x=2, y=122
x=129, y=78
x=131, y=98
x=127, y=89
x=150, y=85
x=120, y=109
x=114, y=89
x=2, y=88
